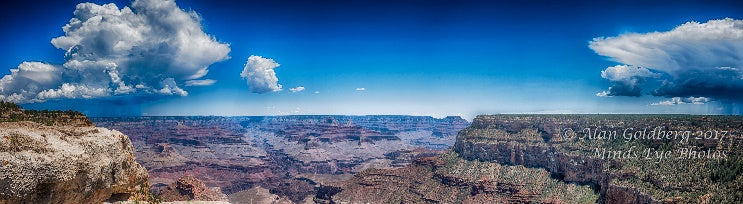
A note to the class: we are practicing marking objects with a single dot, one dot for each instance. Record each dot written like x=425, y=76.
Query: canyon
x=62, y=157
x=291, y=156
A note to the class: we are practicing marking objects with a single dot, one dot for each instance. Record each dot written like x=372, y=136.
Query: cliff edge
x=64, y=161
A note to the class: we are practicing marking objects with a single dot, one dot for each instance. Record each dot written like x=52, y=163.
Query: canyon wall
x=570, y=147
x=570, y=159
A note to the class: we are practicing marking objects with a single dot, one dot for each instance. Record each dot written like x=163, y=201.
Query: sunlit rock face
x=66, y=164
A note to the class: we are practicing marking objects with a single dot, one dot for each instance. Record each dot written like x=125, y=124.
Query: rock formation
x=189, y=188
x=450, y=179
x=571, y=147
x=288, y=155
x=257, y=195
x=64, y=159
x=561, y=159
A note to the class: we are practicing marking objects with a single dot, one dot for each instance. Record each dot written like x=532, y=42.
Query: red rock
x=190, y=188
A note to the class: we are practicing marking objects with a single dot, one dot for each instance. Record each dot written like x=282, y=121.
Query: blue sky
x=411, y=57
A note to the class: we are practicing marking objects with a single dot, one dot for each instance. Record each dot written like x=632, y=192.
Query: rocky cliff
x=627, y=158
x=65, y=162
x=189, y=188
x=571, y=159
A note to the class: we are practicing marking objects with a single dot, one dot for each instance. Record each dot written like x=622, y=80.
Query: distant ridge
x=11, y=112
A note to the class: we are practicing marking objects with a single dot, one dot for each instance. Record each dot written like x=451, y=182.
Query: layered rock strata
x=622, y=156
x=570, y=159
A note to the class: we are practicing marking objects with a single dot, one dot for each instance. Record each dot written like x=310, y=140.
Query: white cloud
x=317, y=92
x=30, y=78
x=361, y=89
x=627, y=80
x=296, y=89
x=701, y=59
x=697, y=100
x=150, y=48
x=625, y=72
x=171, y=88
x=603, y=94
x=73, y=91
x=679, y=100
x=204, y=82
x=692, y=45
x=258, y=71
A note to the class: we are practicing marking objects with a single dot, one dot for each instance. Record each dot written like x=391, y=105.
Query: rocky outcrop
x=561, y=159
x=562, y=145
x=568, y=167
x=57, y=163
x=189, y=188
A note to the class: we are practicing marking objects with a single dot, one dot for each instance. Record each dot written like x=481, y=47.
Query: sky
x=434, y=58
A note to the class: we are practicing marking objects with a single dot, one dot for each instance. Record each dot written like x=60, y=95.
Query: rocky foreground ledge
x=59, y=163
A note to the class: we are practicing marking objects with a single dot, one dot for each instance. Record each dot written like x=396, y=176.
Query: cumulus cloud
x=296, y=89
x=258, y=71
x=627, y=80
x=700, y=59
x=679, y=100
x=204, y=82
x=30, y=78
x=68, y=90
x=361, y=89
x=171, y=88
x=151, y=48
